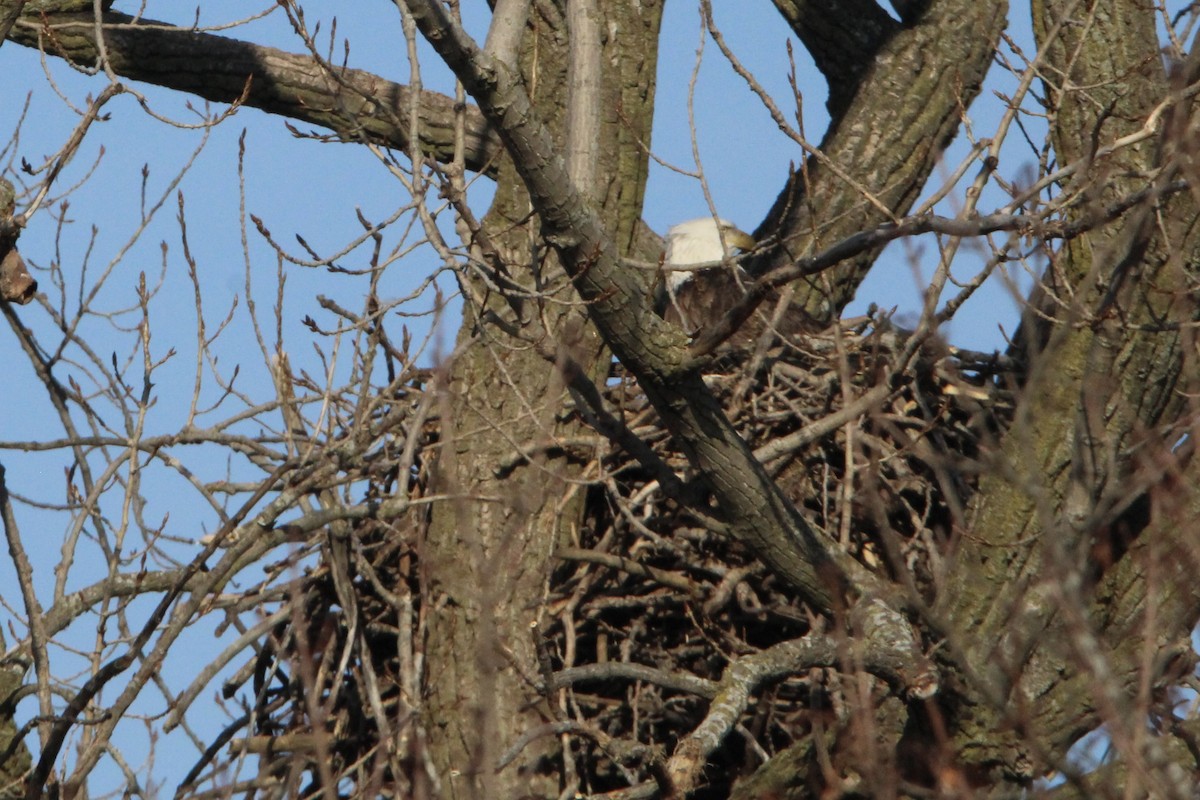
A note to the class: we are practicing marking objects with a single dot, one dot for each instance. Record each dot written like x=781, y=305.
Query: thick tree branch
x=503, y=41
x=583, y=94
x=9, y=11
x=355, y=104
x=893, y=662
x=907, y=106
x=842, y=37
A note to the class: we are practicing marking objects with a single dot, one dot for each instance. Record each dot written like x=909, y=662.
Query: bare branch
x=223, y=70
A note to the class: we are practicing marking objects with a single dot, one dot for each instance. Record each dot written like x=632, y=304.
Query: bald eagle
x=699, y=286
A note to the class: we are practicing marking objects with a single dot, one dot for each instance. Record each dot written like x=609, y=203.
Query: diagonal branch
x=356, y=105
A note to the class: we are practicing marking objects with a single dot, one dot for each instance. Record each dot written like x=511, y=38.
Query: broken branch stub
x=16, y=284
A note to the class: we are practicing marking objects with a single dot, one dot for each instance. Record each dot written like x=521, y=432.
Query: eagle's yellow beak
x=738, y=238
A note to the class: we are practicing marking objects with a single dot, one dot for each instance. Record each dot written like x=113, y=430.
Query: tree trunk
x=491, y=541
x=1098, y=385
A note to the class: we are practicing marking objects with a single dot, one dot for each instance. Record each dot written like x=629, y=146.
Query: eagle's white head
x=698, y=241
x=696, y=244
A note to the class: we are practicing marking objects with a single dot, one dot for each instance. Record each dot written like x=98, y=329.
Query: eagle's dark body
x=703, y=283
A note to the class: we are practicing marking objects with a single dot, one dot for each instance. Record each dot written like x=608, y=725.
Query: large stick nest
x=651, y=604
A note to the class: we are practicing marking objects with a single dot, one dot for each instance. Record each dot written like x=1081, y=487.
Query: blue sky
x=316, y=190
